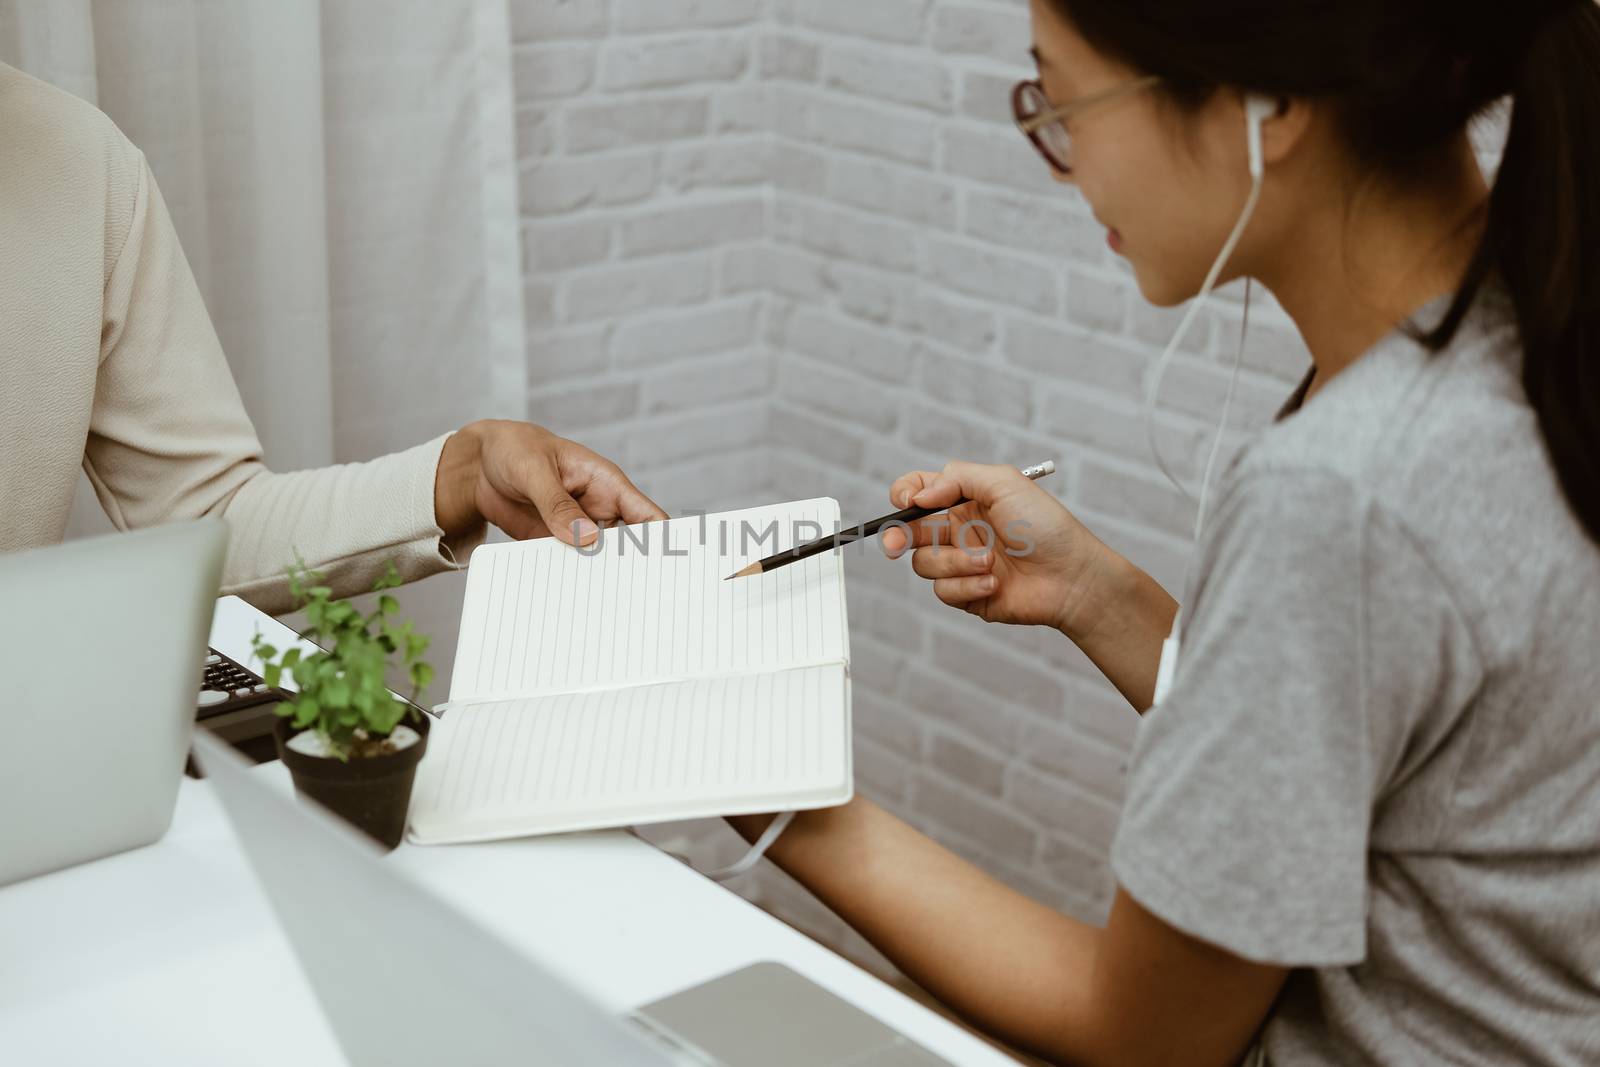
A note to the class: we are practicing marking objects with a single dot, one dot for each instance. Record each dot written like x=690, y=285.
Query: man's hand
x=531, y=483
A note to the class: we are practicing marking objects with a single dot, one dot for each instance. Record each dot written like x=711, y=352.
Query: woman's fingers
x=962, y=527
x=964, y=592
x=909, y=485
x=946, y=489
x=947, y=561
x=933, y=530
x=962, y=576
x=894, y=541
x=983, y=483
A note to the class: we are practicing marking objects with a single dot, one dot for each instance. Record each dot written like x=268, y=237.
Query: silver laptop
x=486, y=1002
x=101, y=643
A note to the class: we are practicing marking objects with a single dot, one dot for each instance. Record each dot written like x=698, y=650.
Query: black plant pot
x=371, y=793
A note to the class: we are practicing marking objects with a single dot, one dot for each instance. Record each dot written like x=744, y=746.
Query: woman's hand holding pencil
x=1006, y=550
x=998, y=546
x=851, y=534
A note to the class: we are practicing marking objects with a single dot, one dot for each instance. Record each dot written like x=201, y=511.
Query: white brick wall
x=778, y=248
x=646, y=160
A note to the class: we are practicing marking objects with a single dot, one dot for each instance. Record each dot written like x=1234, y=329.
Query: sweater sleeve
x=169, y=439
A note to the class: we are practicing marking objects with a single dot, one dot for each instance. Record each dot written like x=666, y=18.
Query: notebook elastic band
x=753, y=855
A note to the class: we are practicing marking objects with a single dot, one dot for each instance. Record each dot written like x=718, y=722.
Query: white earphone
x=1257, y=110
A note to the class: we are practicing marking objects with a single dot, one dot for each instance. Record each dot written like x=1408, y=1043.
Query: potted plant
x=349, y=743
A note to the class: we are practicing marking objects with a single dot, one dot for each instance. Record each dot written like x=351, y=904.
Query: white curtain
x=342, y=176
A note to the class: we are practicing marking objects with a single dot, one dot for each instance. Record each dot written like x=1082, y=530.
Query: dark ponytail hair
x=1408, y=76
x=1542, y=241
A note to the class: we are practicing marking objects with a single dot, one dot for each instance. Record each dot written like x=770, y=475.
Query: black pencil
x=852, y=534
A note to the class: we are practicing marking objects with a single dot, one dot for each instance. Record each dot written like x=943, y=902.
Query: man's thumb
x=562, y=514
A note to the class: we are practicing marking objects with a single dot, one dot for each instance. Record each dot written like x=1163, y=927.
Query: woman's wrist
x=1108, y=589
x=1121, y=628
x=1123, y=600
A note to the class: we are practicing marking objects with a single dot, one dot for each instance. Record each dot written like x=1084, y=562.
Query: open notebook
x=635, y=685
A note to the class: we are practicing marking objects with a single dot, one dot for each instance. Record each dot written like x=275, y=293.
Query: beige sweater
x=108, y=362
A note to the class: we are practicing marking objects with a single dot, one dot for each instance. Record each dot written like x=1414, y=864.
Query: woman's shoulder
x=1444, y=448
x=1403, y=421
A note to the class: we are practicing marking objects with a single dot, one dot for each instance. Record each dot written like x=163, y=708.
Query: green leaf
x=336, y=694
x=341, y=686
x=384, y=720
x=306, y=711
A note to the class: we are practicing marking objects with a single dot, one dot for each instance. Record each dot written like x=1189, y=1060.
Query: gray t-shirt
x=1379, y=761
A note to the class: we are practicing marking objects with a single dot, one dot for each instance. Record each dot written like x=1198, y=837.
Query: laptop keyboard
x=227, y=686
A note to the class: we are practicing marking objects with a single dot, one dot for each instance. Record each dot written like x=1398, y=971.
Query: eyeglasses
x=1046, y=126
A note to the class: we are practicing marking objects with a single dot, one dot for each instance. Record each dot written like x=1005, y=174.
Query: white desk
x=170, y=955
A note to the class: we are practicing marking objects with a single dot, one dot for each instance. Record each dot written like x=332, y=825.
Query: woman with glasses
x=1362, y=822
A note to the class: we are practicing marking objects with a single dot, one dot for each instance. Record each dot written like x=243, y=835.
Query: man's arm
x=170, y=439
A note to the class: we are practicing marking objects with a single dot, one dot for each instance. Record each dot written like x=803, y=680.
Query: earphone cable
x=1216, y=442
x=1227, y=407
x=1152, y=393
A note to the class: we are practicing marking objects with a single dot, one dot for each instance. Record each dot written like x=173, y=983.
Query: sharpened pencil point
x=754, y=568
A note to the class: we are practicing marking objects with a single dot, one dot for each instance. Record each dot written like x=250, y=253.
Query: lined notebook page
x=540, y=617
x=647, y=753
